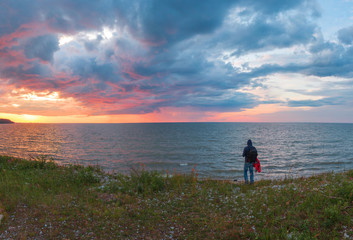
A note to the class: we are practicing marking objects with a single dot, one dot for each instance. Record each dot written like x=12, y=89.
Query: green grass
x=41, y=199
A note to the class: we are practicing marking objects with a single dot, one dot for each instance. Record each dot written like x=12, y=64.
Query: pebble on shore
x=2, y=213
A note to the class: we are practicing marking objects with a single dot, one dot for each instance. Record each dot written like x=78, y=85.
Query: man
x=250, y=154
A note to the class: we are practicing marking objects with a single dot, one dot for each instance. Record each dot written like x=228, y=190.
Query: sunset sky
x=112, y=61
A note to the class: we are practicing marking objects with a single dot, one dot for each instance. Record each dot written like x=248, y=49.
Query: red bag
x=257, y=165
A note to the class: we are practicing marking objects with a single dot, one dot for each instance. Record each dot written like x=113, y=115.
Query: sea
x=210, y=150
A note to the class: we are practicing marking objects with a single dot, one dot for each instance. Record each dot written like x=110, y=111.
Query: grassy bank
x=41, y=200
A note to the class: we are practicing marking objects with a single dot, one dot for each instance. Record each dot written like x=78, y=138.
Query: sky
x=113, y=61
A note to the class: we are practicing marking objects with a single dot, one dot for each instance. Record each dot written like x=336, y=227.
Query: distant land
x=4, y=121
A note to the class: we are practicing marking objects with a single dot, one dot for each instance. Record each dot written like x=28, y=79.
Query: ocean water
x=212, y=149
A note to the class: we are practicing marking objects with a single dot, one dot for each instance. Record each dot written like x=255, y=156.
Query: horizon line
x=179, y=122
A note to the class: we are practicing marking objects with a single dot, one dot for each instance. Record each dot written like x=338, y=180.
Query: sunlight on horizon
x=164, y=115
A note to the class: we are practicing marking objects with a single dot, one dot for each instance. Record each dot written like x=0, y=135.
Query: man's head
x=249, y=142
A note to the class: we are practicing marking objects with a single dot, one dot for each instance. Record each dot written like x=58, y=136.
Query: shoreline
x=192, y=170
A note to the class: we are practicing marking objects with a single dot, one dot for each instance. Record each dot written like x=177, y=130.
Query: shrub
x=147, y=182
x=332, y=216
x=139, y=182
x=346, y=191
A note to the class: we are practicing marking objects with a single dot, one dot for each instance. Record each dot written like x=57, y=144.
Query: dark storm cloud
x=15, y=13
x=153, y=21
x=90, y=68
x=161, y=23
x=166, y=22
x=345, y=35
x=272, y=33
x=331, y=59
x=42, y=47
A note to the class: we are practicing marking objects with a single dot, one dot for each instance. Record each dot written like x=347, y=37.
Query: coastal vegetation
x=40, y=199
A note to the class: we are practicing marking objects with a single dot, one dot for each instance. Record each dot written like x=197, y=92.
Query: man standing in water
x=250, y=154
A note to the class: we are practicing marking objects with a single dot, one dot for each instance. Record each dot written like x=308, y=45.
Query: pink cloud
x=137, y=76
x=24, y=31
x=12, y=58
x=11, y=51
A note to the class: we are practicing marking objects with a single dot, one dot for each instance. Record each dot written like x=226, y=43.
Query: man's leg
x=251, y=170
x=246, y=173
